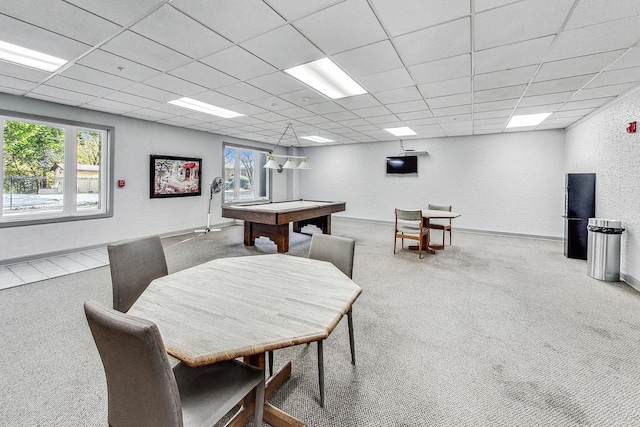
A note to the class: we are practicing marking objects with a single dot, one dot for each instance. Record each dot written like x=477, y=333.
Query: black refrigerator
x=579, y=206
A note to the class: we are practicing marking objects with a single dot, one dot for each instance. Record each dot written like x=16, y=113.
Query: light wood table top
x=232, y=307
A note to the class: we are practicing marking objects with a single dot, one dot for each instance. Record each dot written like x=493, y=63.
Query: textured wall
x=511, y=183
x=602, y=145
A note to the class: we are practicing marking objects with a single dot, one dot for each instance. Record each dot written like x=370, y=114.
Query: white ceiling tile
x=273, y=103
x=591, y=12
x=62, y=18
x=15, y=86
x=386, y=80
x=447, y=87
x=417, y=116
x=492, y=114
x=335, y=30
x=237, y=20
x=75, y=97
x=99, y=78
x=552, y=98
x=52, y=99
x=371, y=111
x=113, y=106
x=481, y=5
x=117, y=65
x=119, y=11
x=400, y=17
x=537, y=109
x=512, y=56
x=62, y=82
x=410, y=93
x=625, y=75
x=325, y=107
x=575, y=66
x=510, y=77
x=389, y=118
x=403, y=107
x=519, y=21
x=283, y=48
x=35, y=38
x=277, y=83
x=499, y=121
x=174, y=84
x=246, y=109
x=295, y=112
x=147, y=52
x=451, y=111
x=304, y=97
x=430, y=44
x=243, y=91
x=295, y=9
x=128, y=98
x=603, y=91
x=498, y=94
x=192, y=38
x=239, y=63
x=559, y=85
x=596, y=39
x=22, y=73
x=443, y=69
x=495, y=105
x=584, y=104
x=150, y=92
x=371, y=59
x=351, y=124
x=358, y=101
x=343, y=115
x=631, y=58
x=203, y=75
x=449, y=101
x=216, y=98
x=269, y=116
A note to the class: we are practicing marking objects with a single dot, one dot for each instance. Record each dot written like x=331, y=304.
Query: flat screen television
x=402, y=165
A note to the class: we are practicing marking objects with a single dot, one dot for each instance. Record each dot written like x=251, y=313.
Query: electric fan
x=215, y=187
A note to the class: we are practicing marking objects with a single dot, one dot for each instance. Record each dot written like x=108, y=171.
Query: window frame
x=70, y=211
x=268, y=186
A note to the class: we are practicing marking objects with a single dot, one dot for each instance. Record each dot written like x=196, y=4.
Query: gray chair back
x=134, y=264
x=335, y=249
x=142, y=390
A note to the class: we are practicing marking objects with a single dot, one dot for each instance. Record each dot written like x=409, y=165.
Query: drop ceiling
x=442, y=68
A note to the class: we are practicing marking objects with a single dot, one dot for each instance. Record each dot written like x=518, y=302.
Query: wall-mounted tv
x=402, y=165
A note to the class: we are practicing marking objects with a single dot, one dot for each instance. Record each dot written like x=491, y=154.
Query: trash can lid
x=606, y=223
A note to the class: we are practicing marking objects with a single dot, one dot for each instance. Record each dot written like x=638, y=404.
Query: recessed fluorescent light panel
x=203, y=107
x=29, y=58
x=401, y=131
x=327, y=78
x=316, y=138
x=527, y=120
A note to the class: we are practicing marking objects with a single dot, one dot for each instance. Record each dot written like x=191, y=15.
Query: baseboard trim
x=631, y=281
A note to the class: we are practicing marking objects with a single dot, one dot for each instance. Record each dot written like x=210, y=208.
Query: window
x=52, y=171
x=245, y=178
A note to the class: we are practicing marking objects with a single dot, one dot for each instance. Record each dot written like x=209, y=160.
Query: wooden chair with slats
x=441, y=224
x=408, y=225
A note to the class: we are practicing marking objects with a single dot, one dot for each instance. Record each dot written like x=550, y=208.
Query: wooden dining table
x=427, y=216
x=244, y=307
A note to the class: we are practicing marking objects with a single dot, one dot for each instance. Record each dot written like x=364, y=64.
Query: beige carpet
x=493, y=331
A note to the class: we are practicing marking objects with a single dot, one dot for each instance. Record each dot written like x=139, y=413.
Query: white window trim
x=69, y=211
x=236, y=200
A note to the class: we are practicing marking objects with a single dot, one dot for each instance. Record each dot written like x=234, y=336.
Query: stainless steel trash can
x=603, y=249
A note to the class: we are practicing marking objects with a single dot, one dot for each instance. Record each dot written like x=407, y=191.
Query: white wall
x=602, y=145
x=135, y=214
x=512, y=183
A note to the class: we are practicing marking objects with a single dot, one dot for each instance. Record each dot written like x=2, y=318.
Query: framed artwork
x=173, y=176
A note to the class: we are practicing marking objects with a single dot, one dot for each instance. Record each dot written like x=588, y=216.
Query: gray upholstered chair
x=143, y=389
x=339, y=251
x=441, y=224
x=134, y=264
x=408, y=225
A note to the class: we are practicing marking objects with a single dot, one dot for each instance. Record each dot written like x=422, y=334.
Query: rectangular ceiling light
x=29, y=58
x=316, y=138
x=203, y=107
x=327, y=78
x=401, y=131
x=527, y=120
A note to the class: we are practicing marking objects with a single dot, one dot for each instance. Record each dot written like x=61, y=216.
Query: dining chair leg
x=351, y=341
x=271, y=363
x=321, y=373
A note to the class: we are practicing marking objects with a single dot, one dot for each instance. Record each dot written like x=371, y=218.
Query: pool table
x=272, y=220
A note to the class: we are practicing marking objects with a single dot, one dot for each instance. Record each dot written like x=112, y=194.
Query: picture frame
x=173, y=176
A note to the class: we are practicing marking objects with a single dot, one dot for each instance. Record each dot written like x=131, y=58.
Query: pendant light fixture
x=289, y=164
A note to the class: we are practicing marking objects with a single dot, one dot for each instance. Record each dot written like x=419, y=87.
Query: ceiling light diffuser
x=203, y=107
x=527, y=120
x=316, y=138
x=327, y=78
x=29, y=58
x=401, y=131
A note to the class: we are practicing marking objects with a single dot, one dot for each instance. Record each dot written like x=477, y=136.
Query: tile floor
x=39, y=269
